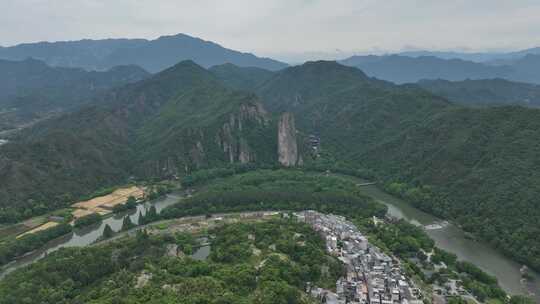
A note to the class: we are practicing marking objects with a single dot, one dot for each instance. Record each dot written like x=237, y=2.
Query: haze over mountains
x=163, y=52
x=477, y=166
x=485, y=92
x=484, y=57
x=31, y=90
x=404, y=69
x=152, y=55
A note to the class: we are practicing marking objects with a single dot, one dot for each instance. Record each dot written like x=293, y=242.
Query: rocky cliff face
x=287, y=145
x=230, y=137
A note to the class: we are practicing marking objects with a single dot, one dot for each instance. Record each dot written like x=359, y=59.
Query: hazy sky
x=280, y=27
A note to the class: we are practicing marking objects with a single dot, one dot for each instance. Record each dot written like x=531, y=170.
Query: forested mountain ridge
x=402, y=69
x=476, y=166
x=485, y=92
x=156, y=55
x=319, y=92
x=526, y=69
x=178, y=120
x=241, y=78
x=21, y=78
x=485, y=57
x=86, y=53
x=152, y=55
x=30, y=89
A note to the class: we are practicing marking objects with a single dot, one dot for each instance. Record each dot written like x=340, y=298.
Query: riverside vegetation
x=299, y=190
x=110, y=273
x=12, y=247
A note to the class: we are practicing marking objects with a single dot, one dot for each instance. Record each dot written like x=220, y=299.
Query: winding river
x=452, y=239
x=446, y=236
x=88, y=235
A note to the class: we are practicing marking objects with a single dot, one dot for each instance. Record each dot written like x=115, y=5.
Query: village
x=372, y=277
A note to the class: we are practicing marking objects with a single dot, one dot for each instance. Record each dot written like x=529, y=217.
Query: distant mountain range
x=241, y=78
x=403, y=69
x=485, y=57
x=152, y=55
x=485, y=92
x=31, y=90
x=164, y=52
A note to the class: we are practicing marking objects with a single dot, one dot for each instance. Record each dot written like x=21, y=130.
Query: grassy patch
x=162, y=226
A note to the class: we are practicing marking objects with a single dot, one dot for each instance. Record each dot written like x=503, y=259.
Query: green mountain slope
x=31, y=90
x=241, y=78
x=326, y=97
x=485, y=92
x=76, y=153
x=476, y=166
x=21, y=78
x=178, y=120
x=482, y=167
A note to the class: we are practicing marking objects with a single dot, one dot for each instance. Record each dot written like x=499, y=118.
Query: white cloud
x=282, y=26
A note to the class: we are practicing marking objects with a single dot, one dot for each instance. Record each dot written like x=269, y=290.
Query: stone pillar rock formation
x=287, y=144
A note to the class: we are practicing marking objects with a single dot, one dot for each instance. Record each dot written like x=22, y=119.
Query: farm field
x=104, y=204
x=45, y=226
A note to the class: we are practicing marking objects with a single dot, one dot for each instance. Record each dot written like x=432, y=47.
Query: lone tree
x=152, y=214
x=107, y=232
x=142, y=219
x=131, y=202
x=127, y=223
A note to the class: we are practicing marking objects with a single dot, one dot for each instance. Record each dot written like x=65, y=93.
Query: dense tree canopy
x=137, y=270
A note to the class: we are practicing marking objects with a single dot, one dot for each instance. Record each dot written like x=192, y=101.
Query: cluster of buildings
x=451, y=288
x=371, y=276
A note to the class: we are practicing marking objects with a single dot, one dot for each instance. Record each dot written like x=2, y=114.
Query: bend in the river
x=452, y=239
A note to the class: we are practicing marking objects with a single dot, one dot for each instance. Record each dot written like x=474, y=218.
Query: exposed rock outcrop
x=230, y=137
x=235, y=137
x=143, y=279
x=287, y=145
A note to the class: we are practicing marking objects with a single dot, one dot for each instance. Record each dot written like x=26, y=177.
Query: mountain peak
x=152, y=55
x=159, y=88
x=326, y=69
x=185, y=66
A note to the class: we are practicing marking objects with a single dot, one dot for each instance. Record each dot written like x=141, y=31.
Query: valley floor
x=388, y=265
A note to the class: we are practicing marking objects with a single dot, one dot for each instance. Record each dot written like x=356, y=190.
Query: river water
x=88, y=235
x=452, y=239
x=446, y=236
x=203, y=251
